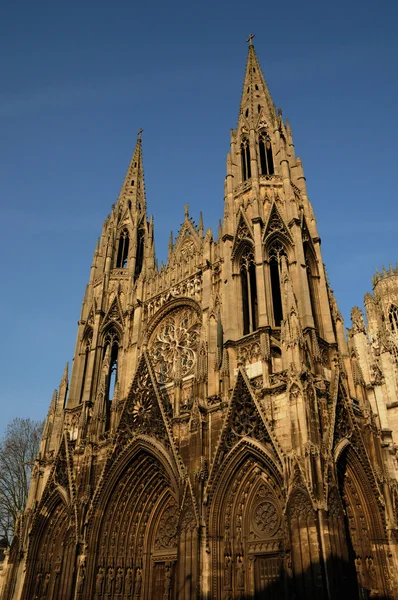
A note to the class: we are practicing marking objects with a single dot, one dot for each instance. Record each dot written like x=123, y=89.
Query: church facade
x=220, y=437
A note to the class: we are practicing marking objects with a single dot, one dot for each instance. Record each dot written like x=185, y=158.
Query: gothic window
x=140, y=253
x=312, y=280
x=88, y=338
x=245, y=157
x=111, y=342
x=132, y=182
x=174, y=344
x=249, y=290
x=393, y=318
x=276, y=254
x=123, y=250
x=266, y=159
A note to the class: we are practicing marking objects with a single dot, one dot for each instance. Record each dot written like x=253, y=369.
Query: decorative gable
x=243, y=233
x=276, y=225
x=114, y=314
x=244, y=419
x=143, y=412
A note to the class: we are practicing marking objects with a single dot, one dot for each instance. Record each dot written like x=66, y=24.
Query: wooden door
x=269, y=577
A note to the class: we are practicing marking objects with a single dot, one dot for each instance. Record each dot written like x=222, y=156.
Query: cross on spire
x=139, y=133
x=250, y=39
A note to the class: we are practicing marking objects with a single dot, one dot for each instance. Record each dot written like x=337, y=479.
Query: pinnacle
x=133, y=189
x=256, y=99
x=65, y=375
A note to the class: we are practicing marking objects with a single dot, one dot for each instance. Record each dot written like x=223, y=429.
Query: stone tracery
x=174, y=344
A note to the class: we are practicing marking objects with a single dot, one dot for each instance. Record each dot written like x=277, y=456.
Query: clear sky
x=80, y=78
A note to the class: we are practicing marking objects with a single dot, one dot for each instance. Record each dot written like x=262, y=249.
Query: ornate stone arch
x=124, y=521
x=245, y=519
x=364, y=521
x=51, y=553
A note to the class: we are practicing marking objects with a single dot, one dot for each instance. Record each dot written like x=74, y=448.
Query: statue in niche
x=109, y=581
x=81, y=576
x=227, y=572
x=119, y=581
x=240, y=573
x=99, y=581
x=129, y=582
x=138, y=582
x=167, y=582
x=46, y=583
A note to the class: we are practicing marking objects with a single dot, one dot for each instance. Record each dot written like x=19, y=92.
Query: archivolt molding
x=247, y=452
x=169, y=306
x=115, y=465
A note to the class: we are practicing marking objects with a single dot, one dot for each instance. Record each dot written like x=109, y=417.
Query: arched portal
x=365, y=530
x=247, y=532
x=51, y=557
x=135, y=530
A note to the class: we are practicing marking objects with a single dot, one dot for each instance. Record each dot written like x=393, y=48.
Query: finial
x=201, y=224
x=186, y=211
x=250, y=39
x=139, y=133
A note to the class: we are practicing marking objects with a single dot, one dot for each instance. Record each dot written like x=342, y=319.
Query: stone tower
x=218, y=439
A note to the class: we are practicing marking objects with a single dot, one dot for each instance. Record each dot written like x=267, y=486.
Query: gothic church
x=220, y=437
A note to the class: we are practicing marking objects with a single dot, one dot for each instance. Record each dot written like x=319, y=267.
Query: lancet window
x=140, y=253
x=111, y=348
x=245, y=158
x=88, y=338
x=265, y=149
x=123, y=250
x=249, y=290
x=393, y=318
x=312, y=278
x=277, y=254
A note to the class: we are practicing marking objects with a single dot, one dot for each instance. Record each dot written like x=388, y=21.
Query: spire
x=133, y=188
x=255, y=93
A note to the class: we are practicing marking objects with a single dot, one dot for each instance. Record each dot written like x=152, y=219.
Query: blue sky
x=80, y=78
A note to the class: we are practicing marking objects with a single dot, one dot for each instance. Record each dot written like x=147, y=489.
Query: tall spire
x=133, y=188
x=256, y=101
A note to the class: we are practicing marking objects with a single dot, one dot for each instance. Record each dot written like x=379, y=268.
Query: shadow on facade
x=340, y=584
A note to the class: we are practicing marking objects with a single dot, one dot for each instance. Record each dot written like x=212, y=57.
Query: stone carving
x=174, y=344
x=167, y=531
x=358, y=323
x=266, y=518
x=141, y=412
x=249, y=353
x=119, y=581
x=138, y=582
x=190, y=288
x=81, y=575
x=128, y=588
x=110, y=578
x=245, y=420
x=99, y=581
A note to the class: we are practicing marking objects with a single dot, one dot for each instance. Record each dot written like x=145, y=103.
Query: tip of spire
x=250, y=39
x=139, y=132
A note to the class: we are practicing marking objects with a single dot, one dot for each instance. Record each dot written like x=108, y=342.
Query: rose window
x=266, y=518
x=174, y=344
